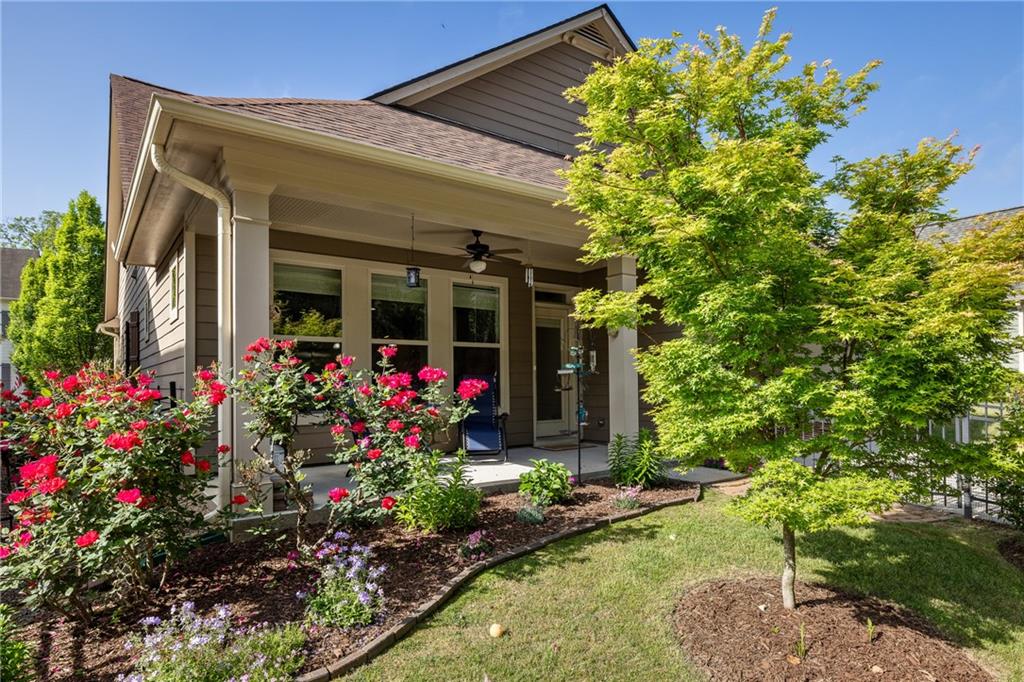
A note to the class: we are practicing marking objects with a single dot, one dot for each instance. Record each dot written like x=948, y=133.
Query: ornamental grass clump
x=109, y=486
x=192, y=648
x=348, y=592
x=383, y=425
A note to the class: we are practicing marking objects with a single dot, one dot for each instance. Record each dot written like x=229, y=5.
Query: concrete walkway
x=491, y=473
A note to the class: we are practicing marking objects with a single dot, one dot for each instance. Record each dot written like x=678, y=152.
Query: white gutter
x=225, y=316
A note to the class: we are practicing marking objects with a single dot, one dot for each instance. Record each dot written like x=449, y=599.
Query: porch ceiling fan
x=479, y=253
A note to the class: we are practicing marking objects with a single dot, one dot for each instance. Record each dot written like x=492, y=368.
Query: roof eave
x=165, y=108
x=418, y=88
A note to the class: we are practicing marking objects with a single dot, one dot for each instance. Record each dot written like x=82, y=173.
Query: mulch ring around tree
x=1012, y=549
x=738, y=630
x=258, y=582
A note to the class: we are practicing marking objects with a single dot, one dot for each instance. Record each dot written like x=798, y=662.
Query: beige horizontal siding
x=523, y=100
x=161, y=338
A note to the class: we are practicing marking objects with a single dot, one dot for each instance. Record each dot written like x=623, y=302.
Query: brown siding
x=161, y=339
x=523, y=100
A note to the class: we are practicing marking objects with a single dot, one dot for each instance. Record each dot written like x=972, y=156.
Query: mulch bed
x=738, y=630
x=255, y=579
x=1012, y=549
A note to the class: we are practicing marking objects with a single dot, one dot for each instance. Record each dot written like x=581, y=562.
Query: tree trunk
x=789, y=570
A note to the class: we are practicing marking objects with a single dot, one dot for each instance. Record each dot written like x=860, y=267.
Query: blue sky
x=948, y=66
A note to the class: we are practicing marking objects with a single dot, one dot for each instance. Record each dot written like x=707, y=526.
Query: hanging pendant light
x=412, y=272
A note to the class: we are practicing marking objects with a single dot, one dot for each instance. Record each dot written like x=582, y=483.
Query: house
x=12, y=262
x=235, y=218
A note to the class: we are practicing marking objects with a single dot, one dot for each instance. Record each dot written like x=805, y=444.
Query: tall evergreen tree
x=53, y=322
x=792, y=315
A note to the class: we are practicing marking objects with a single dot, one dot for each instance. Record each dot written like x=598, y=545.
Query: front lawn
x=599, y=606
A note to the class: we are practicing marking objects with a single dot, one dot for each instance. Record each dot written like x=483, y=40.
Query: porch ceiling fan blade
x=501, y=251
x=501, y=259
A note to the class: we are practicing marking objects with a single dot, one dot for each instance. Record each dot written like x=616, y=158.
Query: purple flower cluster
x=348, y=591
x=477, y=546
x=628, y=497
x=187, y=641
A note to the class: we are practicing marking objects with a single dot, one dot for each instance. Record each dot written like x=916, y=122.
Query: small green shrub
x=636, y=461
x=15, y=656
x=531, y=515
x=1011, y=499
x=546, y=483
x=436, y=500
x=190, y=648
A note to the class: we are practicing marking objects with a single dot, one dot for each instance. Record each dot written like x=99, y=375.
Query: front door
x=551, y=352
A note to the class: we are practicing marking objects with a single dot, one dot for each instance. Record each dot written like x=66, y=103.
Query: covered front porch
x=494, y=474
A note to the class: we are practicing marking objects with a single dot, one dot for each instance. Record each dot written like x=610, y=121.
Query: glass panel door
x=553, y=405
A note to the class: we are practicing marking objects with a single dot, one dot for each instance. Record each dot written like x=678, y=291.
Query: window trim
x=356, y=296
x=287, y=259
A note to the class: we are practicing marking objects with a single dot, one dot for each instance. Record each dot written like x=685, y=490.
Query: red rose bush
x=106, y=486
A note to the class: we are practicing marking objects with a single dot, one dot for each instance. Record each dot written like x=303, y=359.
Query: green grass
x=598, y=607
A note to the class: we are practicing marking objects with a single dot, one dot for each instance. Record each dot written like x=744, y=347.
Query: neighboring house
x=977, y=425
x=12, y=262
x=233, y=218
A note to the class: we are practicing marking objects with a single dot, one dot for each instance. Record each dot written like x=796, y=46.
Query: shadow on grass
x=572, y=552
x=941, y=572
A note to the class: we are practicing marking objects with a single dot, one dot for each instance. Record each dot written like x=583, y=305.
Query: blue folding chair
x=483, y=432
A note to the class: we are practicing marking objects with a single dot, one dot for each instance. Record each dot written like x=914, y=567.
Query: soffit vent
x=591, y=32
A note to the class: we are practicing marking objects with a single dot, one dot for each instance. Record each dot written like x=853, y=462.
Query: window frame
x=356, y=296
x=301, y=262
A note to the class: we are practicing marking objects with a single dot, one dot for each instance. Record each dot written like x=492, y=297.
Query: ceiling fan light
x=477, y=266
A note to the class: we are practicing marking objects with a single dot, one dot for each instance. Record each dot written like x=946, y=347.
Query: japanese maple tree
x=806, y=332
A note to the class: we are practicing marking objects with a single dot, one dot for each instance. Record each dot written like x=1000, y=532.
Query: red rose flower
x=223, y=448
x=374, y=453
x=139, y=425
x=41, y=402
x=337, y=494
x=92, y=423
x=395, y=426
x=87, y=538
x=471, y=388
x=70, y=384
x=431, y=374
x=239, y=499
x=130, y=496
x=358, y=427
x=387, y=503
x=346, y=360
x=51, y=485
x=203, y=465
x=338, y=429
x=18, y=496
x=388, y=351
x=206, y=375
x=188, y=459
x=123, y=441
x=40, y=469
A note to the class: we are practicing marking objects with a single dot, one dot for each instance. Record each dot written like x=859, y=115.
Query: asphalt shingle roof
x=12, y=261
x=371, y=123
x=954, y=230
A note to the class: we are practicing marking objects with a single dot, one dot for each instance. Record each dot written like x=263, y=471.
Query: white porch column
x=250, y=300
x=623, y=382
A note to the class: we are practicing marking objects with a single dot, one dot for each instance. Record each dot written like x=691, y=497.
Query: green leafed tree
x=816, y=344
x=53, y=322
x=30, y=232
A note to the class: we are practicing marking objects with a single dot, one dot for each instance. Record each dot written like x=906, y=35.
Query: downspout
x=225, y=317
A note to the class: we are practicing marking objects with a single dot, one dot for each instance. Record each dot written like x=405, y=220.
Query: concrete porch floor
x=491, y=473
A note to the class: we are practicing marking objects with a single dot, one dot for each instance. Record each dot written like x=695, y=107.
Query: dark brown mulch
x=255, y=579
x=738, y=630
x=1012, y=549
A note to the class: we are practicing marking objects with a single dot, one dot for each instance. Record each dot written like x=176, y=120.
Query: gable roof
x=596, y=30
x=12, y=262
x=362, y=121
x=954, y=230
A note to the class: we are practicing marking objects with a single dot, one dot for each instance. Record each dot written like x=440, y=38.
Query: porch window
x=476, y=333
x=398, y=315
x=307, y=307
